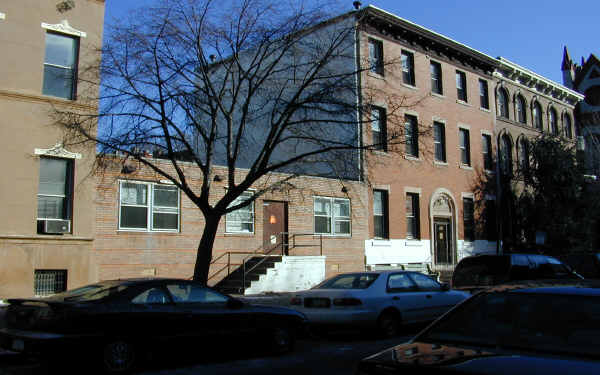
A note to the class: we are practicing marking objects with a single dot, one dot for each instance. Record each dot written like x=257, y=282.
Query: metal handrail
x=266, y=253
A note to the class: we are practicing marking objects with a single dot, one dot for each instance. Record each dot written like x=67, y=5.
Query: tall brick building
x=416, y=206
x=47, y=194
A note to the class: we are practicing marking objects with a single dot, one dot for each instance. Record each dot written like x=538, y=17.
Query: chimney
x=357, y=5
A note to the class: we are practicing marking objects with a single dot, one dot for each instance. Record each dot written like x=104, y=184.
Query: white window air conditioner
x=57, y=226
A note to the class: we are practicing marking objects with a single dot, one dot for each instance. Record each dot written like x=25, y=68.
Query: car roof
x=578, y=288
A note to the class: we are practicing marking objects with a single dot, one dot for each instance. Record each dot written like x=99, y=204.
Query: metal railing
x=285, y=243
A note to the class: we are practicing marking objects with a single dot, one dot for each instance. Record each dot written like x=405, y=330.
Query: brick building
x=47, y=225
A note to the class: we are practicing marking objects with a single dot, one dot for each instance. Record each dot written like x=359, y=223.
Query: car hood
x=415, y=357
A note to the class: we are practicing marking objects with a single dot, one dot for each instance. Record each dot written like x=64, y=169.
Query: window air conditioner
x=57, y=226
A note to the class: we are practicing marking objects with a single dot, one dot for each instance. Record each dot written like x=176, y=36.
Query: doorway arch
x=443, y=229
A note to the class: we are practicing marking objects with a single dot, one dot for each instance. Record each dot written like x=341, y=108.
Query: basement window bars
x=48, y=282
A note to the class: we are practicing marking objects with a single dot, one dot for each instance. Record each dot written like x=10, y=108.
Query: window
x=568, y=128
x=412, y=136
x=461, y=86
x=242, y=219
x=425, y=282
x=502, y=103
x=412, y=216
x=148, y=206
x=484, y=100
x=439, y=141
x=537, y=116
x=469, y=219
x=380, y=213
x=48, y=282
x=60, y=65
x=55, y=190
x=491, y=232
x=408, y=68
x=400, y=282
x=553, y=123
x=332, y=216
x=523, y=151
x=379, y=128
x=521, y=114
x=506, y=155
x=436, y=78
x=486, y=146
x=464, y=145
x=190, y=293
x=376, y=56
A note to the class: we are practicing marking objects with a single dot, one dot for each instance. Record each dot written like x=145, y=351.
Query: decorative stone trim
x=64, y=28
x=57, y=151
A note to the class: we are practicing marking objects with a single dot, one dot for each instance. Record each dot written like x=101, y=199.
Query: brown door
x=274, y=224
x=443, y=241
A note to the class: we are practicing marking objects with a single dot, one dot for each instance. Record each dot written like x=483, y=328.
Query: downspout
x=358, y=86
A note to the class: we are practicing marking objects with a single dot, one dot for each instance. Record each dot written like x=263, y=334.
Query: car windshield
x=91, y=292
x=349, y=281
x=481, y=270
x=539, y=322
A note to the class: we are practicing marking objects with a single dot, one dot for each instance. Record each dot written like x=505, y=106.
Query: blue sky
x=531, y=33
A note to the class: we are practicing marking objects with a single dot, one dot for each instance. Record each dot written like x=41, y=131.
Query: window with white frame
x=242, y=219
x=332, y=216
x=148, y=206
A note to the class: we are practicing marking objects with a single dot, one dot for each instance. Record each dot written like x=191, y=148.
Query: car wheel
x=282, y=340
x=119, y=357
x=388, y=324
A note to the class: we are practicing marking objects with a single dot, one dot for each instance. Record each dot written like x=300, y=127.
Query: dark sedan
x=506, y=330
x=119, y=321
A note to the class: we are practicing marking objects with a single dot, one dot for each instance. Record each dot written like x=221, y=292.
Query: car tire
x=282, y=340
x=119, y=357
x=388, y=324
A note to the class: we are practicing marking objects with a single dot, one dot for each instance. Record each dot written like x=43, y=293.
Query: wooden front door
x=443, y=241
x=274, y=224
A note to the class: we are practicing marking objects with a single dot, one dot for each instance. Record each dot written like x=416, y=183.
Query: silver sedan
x=381, y=299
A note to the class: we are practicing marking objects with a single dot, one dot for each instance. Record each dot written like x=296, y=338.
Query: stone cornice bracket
x=64, y=28
x=57, y=151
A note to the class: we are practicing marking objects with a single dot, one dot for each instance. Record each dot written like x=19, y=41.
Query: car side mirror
x=445, y=287
x=233, y=303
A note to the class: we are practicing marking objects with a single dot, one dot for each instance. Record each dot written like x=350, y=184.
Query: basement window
x=48, y=282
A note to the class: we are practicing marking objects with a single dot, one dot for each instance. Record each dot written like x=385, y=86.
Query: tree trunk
x=204, y=255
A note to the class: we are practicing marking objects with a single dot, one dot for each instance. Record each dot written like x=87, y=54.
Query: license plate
x=18, y=345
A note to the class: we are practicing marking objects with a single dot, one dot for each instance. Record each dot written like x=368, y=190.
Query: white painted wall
x=291, y=274
x=402, y=251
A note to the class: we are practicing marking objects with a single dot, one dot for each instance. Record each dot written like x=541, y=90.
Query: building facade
x=47, y=226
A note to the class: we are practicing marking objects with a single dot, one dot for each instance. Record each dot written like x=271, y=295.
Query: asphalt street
x=332, y=354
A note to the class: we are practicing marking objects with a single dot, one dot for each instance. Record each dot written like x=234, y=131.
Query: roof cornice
x=520, y=71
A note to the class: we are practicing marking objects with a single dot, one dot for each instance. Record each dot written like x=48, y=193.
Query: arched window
x=521, y=113
x=523, y=154
x=537, y=116
x=506, y=155
x=502, y=103
x=553, y=123
x=568, y=126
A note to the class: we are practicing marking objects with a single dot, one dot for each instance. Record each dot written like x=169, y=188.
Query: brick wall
x=120, y=254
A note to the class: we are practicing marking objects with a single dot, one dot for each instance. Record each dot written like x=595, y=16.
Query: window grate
x=48, y=282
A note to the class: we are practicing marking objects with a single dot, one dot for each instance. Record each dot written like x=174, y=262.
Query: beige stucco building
x=46, y=194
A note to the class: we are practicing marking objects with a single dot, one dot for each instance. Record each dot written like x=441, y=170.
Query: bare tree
x=252, y=86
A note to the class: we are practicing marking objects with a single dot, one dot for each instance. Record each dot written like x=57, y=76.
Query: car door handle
x=395, y=298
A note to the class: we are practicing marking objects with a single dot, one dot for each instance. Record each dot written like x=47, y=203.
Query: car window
x=349, y=281
x=189, y=293
x=481, y=271
x=521, y=320
x=400, y=282
x=151, y=296
x=425, y=282
x=91, y=292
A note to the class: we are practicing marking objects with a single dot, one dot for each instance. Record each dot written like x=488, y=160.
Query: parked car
x=123, y=319
x=585, y=264
x=478, y=272
x=380, y=299
x=519, y=329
